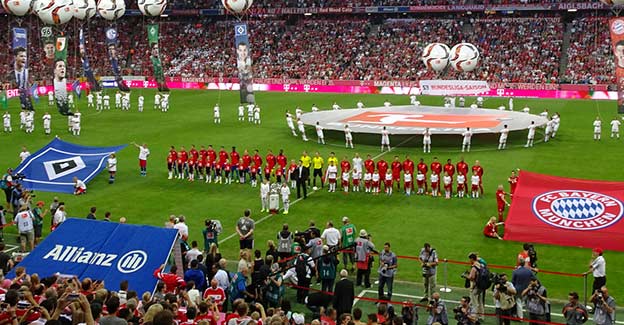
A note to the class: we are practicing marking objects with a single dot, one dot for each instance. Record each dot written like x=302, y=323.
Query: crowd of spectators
x=521, y=49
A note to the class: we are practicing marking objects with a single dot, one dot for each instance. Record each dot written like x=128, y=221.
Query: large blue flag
x=103, y=250
x=53, y=167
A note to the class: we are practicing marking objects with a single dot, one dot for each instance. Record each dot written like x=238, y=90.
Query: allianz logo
x=128, y=263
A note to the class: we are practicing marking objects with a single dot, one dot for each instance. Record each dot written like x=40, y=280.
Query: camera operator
x=504, y=299
x=537, y=303
x=6, y=184
x=428, y=261
x=211, y=233
x=464, y=313
x=437, y=310
x=574, y=313
x=604, y=313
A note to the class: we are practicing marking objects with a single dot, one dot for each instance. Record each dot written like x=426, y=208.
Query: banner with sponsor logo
x=152, y=38
x=20, y=78
x=616, y=27
x=103, y=251
x=53, y=167
x=567, y=212
x=453, y=87
x=243, y=63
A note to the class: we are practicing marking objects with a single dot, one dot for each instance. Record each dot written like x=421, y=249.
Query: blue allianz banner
x=102, y=250
x=53, y=167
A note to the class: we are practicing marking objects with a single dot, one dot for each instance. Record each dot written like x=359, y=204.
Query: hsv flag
x=567, y=212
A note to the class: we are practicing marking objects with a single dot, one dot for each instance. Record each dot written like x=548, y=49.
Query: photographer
x=437, y=310
x=211, y=233
x=274, y=289
x=6, y=184
x=574, y=313
x=387, y=269
x=537, y=304
x=464, y=313
x=428, y=261
x=504, y=298
x=604, y=313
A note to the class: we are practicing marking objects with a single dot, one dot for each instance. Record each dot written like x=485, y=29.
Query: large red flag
x=616, y=28
x=568, y=212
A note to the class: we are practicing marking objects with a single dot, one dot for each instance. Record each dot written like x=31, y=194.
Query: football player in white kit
x=531, y=135
x=6, y=119
x=385, y=139
x=597, y=128
x=241, y=113
x=118, y=99
x=615, y=128
x=164, y=103
x=47, y=121
x=298, y=112
x=462, y=102
x=290, y=123
x=99, y=102
x=426, y=140
x=301, y=128
x=359, y=104
x=467, y=140
x=70, y=100
x=157, y=101
x=90, y=100
x=22, y=115
x=480, y=102
x=319, y=133
x=510, y=103
x=526, y=109
x=106, y=101
x=250, y=112
x=256, y=115
x=335, y=106
x=141, y=103
x=413, y=99
x=549, y=129
x=75, y=124
x=30, y=122
x=216, y=114
x=502, y=140
x=50, y=98
x=387, y=104
x=556, y=121
x=544, y=114
x=348, y=137
x=315, y=108
x=125, y=102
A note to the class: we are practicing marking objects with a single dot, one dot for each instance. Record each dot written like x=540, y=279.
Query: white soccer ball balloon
x=54, y=12
x=237, y=6
x=613, y=2
x=84, y=9
x=17, y=7
x=464, y=57
x=152, y=7
x=111, y=9
x=436, y=56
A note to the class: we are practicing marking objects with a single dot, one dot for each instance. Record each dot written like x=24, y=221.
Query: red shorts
x=332, y=181
x=375, y=184
x=448, y=187
x=142, y=163
x=501, y=208
x=475, y=187
x=460, y=187
x=396, y=177
x=407, y=185
x=388, y=183
x=434, y=185
x=345, y=183
x=368, y=183
x=356, y=182
x=79, y=191
x=420, y=183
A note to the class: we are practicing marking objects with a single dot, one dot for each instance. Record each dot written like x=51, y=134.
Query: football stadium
x=311, y=162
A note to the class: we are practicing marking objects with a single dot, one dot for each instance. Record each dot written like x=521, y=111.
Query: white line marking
x=360, y=295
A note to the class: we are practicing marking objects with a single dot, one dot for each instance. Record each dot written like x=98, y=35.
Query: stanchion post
x=445, y=288
x=585, y=289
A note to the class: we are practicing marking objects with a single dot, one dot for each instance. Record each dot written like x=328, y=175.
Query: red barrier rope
x=411, y=304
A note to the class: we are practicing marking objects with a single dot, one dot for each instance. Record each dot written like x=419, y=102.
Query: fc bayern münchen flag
x=86, y=67
x=111, y=44
x=20, y=72
x=152, y=38
x=243, y=63
x=616, y=27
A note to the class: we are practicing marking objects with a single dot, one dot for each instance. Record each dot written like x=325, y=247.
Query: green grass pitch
x=453, y=227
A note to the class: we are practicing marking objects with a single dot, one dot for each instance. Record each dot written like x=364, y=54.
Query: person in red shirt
x=208, y=311
x=192, y=164
x=245, y=163
x=173, y=153
x=436, y=167
x=282, y=161
x=234, y=162
x=257, y=160
x=291, y=169
x=171, y=280
x=369, y=164
x=223, y=156
x=422, y=168
x=501, y=202
x=462, y=167
x=449, y=169
x=194, y=153
x=203, y=160
x=345, y=165
x=253, y=175
x=267, y=172
x=408, y=167
x=396, y=168
x=171, y=160
x=491, y=228
x=211, y=162
x=227, y=171
x=477, y=168
x=513, y=182
x=182, y=162
x=270, y=159
x=382, y=167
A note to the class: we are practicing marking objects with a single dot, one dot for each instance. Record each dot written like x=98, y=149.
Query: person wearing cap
x=598, y=268
x=363, y=248
x=347, y=234
x=344, y=294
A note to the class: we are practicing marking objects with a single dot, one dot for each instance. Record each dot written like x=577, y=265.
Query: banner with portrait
x=152, y=38
x=48, y=40
x=60, y=75
x=616, y=27
x=243, y=63
x=19, y=78
x=86, y=67
x=113, y=56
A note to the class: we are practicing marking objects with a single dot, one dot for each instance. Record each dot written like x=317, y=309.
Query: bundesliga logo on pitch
x=577, y=210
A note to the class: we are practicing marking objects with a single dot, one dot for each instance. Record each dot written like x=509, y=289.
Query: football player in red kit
x=396, y=168
x=462, y=167
x=369, y=164
x=234, y=163
x=182, y=162
x=345, y=165
x=449, y=169
x=513, y=182
x=382, y=168
x=422, y=168
x=436, y=167
x=245, y=164
x=477, y=168
x=501, y=202
x=171, y=160
x=408, y=167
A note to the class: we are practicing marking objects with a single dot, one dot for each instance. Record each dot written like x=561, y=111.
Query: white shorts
x=502, y=140
x=426, y=140
x=348, y=137
x=466, y=142
x=320, y=135
x=597, y=130
x=615, y=130
x=385, y=140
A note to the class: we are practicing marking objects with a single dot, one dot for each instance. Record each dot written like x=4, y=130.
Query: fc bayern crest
x=577, y=209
